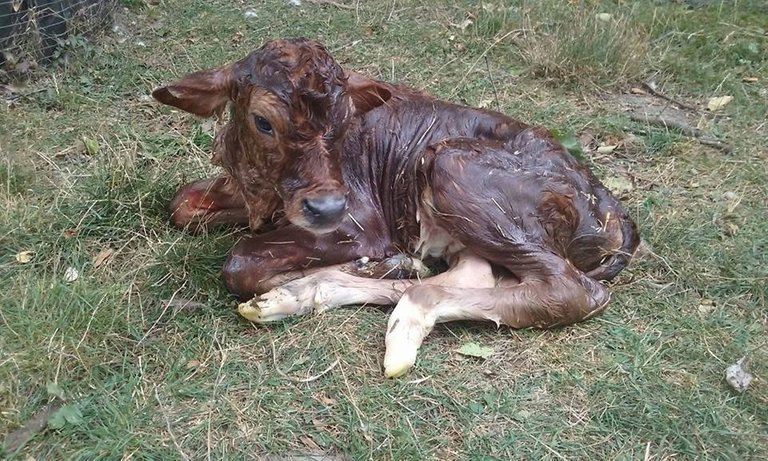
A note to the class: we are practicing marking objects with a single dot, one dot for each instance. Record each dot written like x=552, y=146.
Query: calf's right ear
x=202, y=93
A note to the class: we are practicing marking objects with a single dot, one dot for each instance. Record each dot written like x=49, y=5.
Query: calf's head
x=290, y=107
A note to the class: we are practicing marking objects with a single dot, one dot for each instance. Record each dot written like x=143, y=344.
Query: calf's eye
x=263, y=125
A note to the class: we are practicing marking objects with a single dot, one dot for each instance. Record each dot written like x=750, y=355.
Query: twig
x=493, y=84
x=300, y=380
x=651, y=88
x=18, y=438
x=342, y=6
x=168, y=426
x=684, y=128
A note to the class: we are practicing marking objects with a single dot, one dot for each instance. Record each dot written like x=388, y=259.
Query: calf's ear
x=366, y=94
x=202, y=93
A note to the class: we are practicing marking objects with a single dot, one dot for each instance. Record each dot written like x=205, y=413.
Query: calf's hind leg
x=548, y=303
x=503, y=222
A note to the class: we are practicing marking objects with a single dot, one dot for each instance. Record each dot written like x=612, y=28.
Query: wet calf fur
x=328, y=166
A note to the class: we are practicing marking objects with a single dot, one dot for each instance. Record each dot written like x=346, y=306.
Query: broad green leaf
x=475, y=350
x=91, y=145
x=55, y=390
x=68, y=414
x=570, y=142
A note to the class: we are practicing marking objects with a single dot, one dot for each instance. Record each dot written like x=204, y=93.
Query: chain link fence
x=36, y=33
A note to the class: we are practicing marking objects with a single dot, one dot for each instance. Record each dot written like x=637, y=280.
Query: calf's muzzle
x=324, y=210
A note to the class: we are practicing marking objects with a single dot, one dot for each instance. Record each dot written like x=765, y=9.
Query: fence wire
x=34, y=32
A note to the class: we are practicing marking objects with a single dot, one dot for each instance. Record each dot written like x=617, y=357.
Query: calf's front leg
x=206, y=203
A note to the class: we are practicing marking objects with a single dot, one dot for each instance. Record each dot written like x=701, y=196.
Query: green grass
x=155, y=377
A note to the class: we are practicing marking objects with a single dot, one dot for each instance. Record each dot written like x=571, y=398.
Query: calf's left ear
x=202, y=93
x=366, y=94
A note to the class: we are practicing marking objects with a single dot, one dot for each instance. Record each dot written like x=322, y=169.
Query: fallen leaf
x=637, y=90
x=570, y=142
x=68, y=414
x=475, y=350
x=749, y=79
x=730, y=229
x=91, y=145
x=737, y=376
x=706, y=306
x=24, y=257
x=318, y=424
x=485, y=103
x=618, y=184
x=55, y=390
x=731, y=200
x=522, y=415
x=71, y=274
x=463, y=24
x=193, y=364
x=208, y=126
x=327, y=401
x=309, y=443
x=102, y=257
x=606, y=149
x=69, y=233
x=718, y=103
x=604, y=17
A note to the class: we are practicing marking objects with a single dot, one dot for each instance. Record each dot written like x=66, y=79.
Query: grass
x=148, y=348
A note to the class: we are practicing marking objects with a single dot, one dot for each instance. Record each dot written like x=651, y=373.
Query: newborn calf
x=328, y=167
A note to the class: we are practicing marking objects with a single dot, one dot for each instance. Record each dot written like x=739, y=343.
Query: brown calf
x=342, y=167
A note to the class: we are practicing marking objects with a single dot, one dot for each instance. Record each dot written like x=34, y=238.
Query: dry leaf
x=636, y=90
x=604, y=17
x=102, y=257
x=319, y=425
x=24, y=257
x=730, y=229
x=731, y=200
x=749, y=79
x=605, y=149
x=706, y=306
x=69, y=233
x=737, y=376
x=71, y=274
x=718, y=103
x=309, y=443
x=463, y=25
x=618, y=184
x=327, y=401
x=192, y=364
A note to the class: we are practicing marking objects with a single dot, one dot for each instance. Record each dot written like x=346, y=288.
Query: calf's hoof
x=272, y=306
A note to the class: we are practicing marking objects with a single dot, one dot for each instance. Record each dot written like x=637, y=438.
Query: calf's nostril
x=325, y=207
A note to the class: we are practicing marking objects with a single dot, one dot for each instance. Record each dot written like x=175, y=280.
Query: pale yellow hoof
x=398, y=363
x=397, y=370
x=250, y=310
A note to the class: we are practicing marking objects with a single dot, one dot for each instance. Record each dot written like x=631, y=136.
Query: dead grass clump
x=581, y=44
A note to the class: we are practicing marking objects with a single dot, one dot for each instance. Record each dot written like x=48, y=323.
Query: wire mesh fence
x=37, y=32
